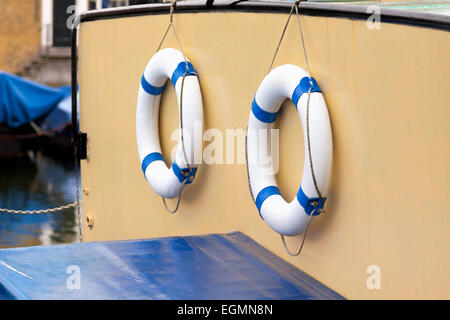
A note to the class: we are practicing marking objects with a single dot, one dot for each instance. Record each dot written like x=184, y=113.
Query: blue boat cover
x=22, y=101
x=61, y=116
x=228, y=266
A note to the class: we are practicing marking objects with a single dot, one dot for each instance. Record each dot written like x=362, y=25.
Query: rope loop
x=308, y=224
x=178, y=200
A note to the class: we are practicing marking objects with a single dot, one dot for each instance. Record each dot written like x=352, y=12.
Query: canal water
x=37, y=182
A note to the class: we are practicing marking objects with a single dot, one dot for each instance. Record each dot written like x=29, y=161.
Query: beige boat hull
x=388, y=96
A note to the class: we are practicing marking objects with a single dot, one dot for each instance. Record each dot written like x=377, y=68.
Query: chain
x=42, y=211
x=77, y=185
x=171, y=26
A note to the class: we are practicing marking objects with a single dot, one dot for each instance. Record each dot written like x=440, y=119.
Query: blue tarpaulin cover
x=22, y=101
x=227, y=266
x=60, y=116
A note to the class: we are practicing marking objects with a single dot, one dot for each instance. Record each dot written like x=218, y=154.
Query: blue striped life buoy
x=289, y=81
x=168, y=64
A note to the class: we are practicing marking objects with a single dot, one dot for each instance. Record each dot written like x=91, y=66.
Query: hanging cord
x=184, y=151
x=303, y=41
x=171, y=26
x=282, y=34
x=178, y=200
x=308, y=224
x=311, y=216
x=294, y=6
x=270, y=68
x=309, y=150
x=307, y=104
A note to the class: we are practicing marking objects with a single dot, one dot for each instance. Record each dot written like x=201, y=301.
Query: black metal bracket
x=79, y=138
x=81, y=142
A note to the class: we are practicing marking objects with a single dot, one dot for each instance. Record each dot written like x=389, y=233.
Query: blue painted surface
x=228, y=266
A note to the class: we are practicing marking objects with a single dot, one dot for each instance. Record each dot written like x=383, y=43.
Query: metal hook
x=172, y=8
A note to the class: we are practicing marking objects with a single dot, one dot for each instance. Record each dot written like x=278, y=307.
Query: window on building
x=61, y=34
x=136, y=2
x=117, y=3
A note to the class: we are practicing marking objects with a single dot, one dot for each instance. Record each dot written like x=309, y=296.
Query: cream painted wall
x=388, y=96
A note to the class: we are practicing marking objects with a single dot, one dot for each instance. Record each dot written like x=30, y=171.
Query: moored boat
x=382, y=70
x=34, y=117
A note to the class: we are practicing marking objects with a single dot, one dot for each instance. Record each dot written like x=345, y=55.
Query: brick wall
x=20, y=35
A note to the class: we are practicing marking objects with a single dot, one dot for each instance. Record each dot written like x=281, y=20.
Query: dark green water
x=37, y=183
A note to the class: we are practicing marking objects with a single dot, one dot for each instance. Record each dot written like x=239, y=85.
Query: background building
x=20, y=33
x=55, y=14
x=35, y=39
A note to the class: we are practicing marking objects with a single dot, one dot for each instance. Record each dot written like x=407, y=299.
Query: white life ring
x=168, y=64
x=289, y=81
